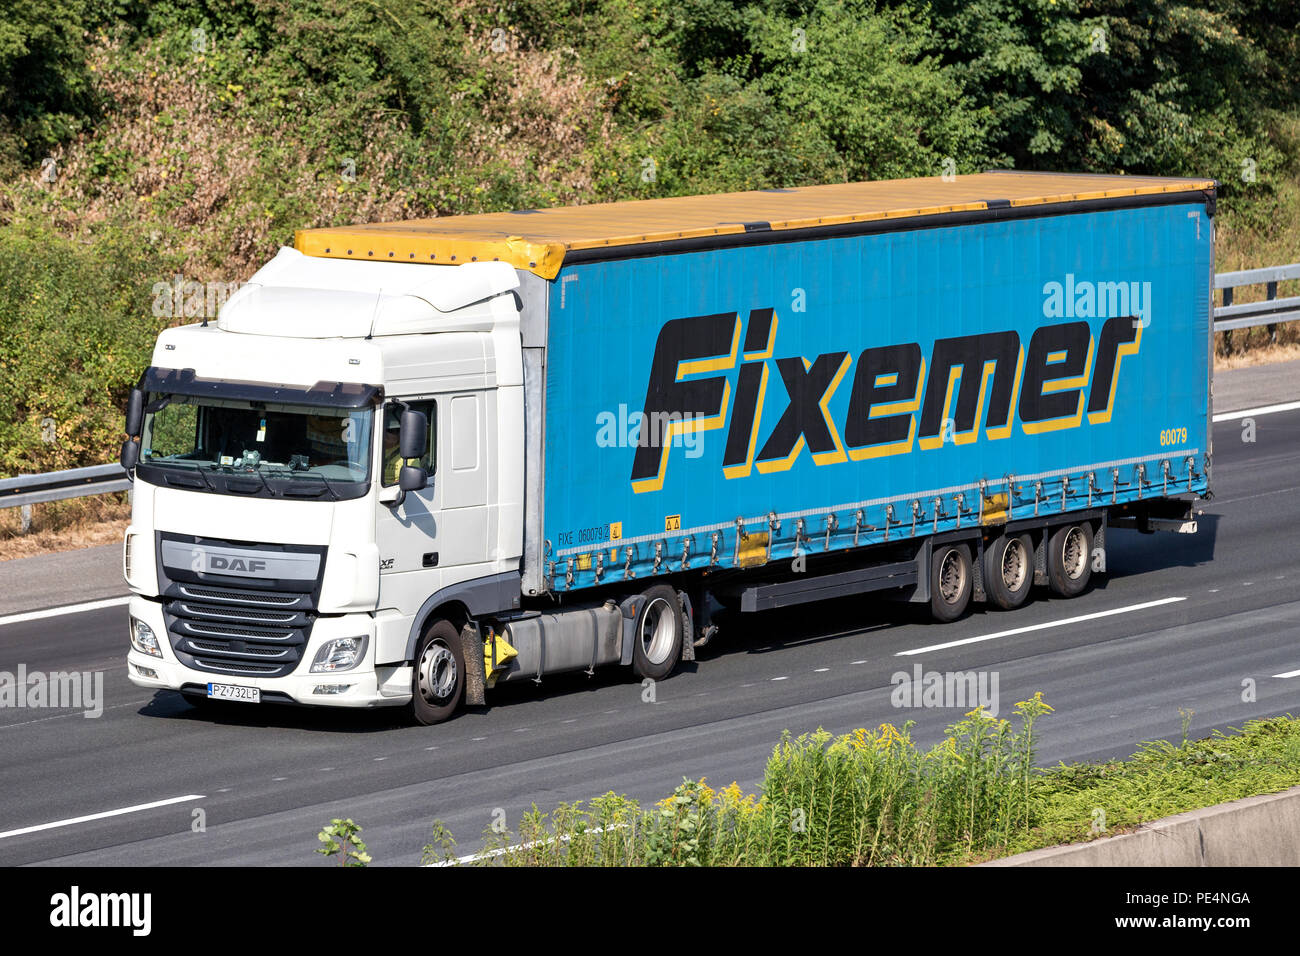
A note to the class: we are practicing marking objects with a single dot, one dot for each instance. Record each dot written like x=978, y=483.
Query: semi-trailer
x=410, y=462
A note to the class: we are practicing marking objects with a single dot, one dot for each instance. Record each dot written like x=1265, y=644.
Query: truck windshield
x=282, y=447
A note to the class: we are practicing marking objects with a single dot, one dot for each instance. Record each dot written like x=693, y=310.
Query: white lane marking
x=1040, y=627
x=501, y=851
x=778, y=678
x=1262, y=494
x=1261, y=410
x=75, y=713
x=1288, y=674
x=821, y=670
x=100, y=816
x=66, y=609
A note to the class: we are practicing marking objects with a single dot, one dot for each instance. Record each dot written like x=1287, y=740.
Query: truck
x=412, y=462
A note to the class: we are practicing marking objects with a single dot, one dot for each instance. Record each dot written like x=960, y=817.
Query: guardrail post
x=1227, y=336
x=25, y=520
x=1272, y=328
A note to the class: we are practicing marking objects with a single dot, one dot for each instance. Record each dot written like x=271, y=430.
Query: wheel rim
x=952, y=578
x=1015, y=564
x=437, y=672
x=1074, y=555
x=658, y=631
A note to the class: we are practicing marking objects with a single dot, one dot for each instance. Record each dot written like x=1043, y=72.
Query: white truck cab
x=278, y=549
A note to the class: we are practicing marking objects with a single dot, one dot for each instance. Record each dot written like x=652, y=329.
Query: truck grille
x=229, y=631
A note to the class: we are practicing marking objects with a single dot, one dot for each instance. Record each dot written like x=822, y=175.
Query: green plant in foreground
x=342, y=838
x=874, y=798
x=441, y=848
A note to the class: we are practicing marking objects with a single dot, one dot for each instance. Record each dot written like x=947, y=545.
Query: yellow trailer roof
x=539, y=239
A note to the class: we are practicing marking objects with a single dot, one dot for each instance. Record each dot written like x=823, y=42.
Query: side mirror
x=130, y=454
x=412, y=478
x=135, y=413
x=415, y=435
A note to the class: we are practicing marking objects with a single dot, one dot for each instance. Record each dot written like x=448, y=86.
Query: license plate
x=246, y=695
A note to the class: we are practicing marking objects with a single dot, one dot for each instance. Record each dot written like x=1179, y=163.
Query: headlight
x=143, y=639
x=341, y=654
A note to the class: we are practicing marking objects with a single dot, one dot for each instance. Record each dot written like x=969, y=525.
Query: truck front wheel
x=657, y=644
x=950, y=582
x=438, y=681
x=1008, y=570
x=1069, y=559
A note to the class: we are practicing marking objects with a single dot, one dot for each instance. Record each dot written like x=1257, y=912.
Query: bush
x=76, y=331
x=873, y=798
x=868, y=798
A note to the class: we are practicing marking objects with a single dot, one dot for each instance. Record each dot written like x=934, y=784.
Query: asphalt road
x=266, y=779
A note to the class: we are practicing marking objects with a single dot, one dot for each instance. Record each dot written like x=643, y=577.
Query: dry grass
x=198, y=152
x=64, y=526
x=1258, y=355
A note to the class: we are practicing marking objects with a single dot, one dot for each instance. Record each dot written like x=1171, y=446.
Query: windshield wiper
x=289, y=473
x=198, y=467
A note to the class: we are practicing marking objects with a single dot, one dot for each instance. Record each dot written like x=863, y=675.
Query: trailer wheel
x=950, y=582
x=1009, y=570
x=438, y=678
x=657, y=642
x=1069, y=559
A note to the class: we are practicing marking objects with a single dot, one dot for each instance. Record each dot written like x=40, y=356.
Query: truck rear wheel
x=1069, y=559
x=657, y=643
x=950, y=582
x=438, y=680
x=1008, y=570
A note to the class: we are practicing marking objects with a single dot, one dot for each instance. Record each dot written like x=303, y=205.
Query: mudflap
x=688, y=638
x=630, y=608
x=977, y=572
x=1040, y=558
x=471, y=647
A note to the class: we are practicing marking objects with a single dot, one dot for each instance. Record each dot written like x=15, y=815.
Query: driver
x=392, y=449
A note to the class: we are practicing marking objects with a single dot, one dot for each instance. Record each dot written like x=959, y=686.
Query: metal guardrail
x=55, y=485
x=1270, y=312
x=28, y=490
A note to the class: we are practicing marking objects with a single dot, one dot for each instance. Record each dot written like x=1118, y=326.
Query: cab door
x=437, y=533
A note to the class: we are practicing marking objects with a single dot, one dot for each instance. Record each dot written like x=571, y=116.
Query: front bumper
x=368, y=686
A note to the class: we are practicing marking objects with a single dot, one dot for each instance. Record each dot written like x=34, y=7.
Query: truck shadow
x=1131, y=552
x=171, y=705
x=1128, y=553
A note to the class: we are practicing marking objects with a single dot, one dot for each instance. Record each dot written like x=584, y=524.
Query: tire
x=1069, y=559
x=438, y=675
x=657, y=640
x=950, y=582
x=1009, y=570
